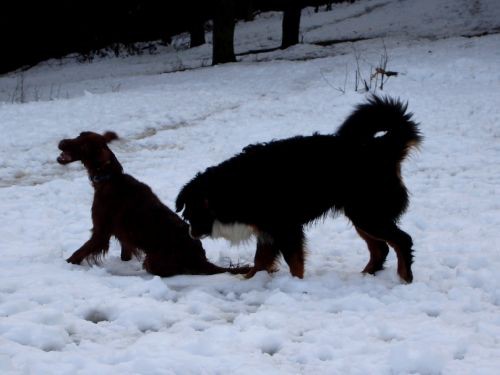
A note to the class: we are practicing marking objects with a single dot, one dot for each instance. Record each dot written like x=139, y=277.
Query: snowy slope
x=56, y=318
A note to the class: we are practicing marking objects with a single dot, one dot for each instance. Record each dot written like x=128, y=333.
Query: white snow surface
x=57, y=318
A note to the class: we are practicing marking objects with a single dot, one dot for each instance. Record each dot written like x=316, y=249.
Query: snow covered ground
x=57, y=318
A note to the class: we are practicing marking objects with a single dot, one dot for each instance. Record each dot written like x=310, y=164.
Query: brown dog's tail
x=211, y=269
x=157, y=263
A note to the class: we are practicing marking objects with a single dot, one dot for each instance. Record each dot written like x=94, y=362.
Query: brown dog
x=129, y=210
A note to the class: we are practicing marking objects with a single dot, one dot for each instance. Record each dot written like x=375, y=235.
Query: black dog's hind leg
x=378, y=252
x=265, y=257
x=400, y=241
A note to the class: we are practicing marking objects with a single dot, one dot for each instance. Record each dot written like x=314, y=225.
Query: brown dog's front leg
x=97, y=245
x=127, y=251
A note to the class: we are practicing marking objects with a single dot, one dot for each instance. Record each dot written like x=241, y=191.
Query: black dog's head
x=87, y=147
x=197, y=211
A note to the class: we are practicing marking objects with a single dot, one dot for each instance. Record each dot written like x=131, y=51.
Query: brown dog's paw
x=126, y=257
x=74, y=259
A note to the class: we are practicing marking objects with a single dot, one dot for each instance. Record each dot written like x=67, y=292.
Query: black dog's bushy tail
x=385, y=124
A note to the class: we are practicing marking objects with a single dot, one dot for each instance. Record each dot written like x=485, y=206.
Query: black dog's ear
x=179, y=202
x=110, y=136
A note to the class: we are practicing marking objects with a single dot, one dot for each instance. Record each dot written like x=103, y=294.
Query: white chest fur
x=235, y=233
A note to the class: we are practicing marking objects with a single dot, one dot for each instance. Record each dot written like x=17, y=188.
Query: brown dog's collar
x=100, y=178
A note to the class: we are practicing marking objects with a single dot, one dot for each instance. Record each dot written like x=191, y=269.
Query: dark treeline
x=31, y=32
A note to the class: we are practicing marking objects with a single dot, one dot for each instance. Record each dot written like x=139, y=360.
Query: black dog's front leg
x=265, y=257
x=291, y=243
x=95, y=247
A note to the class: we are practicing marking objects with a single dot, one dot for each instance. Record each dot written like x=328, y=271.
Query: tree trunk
x=291, y=23
x=197, y=33
x=223, y=34
x=248, y=9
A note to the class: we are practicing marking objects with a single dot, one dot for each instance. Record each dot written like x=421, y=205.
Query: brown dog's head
x=92, y=150
x=88, y=146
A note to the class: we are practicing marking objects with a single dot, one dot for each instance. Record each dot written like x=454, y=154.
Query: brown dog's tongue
x=64, y=158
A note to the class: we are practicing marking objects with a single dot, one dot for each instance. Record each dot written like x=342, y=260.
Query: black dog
x=273, y=189
x=129, y=210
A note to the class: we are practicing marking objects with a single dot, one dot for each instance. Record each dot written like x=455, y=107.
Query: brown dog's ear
x=110, y=136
